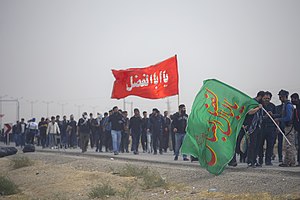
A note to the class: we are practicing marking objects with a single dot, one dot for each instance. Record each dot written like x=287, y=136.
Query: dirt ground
x=59, y=176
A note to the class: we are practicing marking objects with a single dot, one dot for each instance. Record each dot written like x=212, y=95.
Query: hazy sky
x=63, y=50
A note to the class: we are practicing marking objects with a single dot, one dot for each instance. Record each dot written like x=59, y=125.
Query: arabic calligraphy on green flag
x=216, y=118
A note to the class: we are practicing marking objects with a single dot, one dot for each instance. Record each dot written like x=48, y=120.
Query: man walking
x=145, y=129
x=43, y=125
x=52, y=131
x=179, y=123
x=84, y=131
x=296, y=121
x=117, y=123
x=254, y=118
x=96, y=125
x=72, y=132
x=106, y=126
x=22, y=128
x=135, y=126
x=286, y=122
x=166, y=132
x=64, y=135
x=58, y=137
x=32, y=131
x=125, y=133
x=268, y=130
x=16, y=133
x=156, y=128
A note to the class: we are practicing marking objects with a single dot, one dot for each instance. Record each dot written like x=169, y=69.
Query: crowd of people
x=113, y=132
x=157, y=133
x=260, y=134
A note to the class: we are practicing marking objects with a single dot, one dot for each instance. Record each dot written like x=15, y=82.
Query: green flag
x=216, y=118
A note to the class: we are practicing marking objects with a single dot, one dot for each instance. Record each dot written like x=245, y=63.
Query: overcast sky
x=63, y=50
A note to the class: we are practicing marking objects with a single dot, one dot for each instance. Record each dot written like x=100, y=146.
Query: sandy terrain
x=60, y=176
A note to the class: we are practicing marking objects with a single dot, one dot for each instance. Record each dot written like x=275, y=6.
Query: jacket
x=53, y=128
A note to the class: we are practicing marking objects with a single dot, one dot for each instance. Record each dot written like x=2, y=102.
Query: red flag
x=153, y=82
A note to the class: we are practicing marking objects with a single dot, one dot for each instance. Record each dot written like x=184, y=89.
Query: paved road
x=165, y=158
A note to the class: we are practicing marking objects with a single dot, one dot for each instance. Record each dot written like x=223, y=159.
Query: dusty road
x=71, y=175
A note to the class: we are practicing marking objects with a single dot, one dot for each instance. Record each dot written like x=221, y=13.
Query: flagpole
x=178, y=100
x=277, y=126
x=124, y=106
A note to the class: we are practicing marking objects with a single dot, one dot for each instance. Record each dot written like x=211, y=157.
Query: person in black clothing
x=279, y=136
x=117, y=124
x=106, y=126
x=72, y=131
x=58, y=137
x=254, y=121
x=22, y=126
x=179, y=123
x=145, y=129
x=125, y=134
x=166, y=131
x=286, y=122
x=172, y=135
x=101, y=132
x=96, y=131
x=238, y=149
x=250, y=124
x=296, y=121
x=135, y=126
x=16, y=133
x=268, y=130
x=156, y=128
x=63, y=132
x=93, y=131
x=43, y=124
x=84, y=131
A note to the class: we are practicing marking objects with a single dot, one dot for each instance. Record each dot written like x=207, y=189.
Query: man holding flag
x=217, y=115
x=152, y=82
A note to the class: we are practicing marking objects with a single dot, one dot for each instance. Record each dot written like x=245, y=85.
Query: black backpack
x=29, y=148
x=193, y=159
x=7, y=151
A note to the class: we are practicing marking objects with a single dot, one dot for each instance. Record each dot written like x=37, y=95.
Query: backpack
x=194, y=158
x=7, y=151
x=284, y=113
x=28, y=148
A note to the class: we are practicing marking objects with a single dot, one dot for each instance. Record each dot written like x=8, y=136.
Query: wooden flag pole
x=276, y=125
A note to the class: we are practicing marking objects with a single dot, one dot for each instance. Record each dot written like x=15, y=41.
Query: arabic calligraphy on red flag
x=153, y=82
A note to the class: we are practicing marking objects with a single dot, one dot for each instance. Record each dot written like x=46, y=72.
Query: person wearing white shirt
x=52, y=130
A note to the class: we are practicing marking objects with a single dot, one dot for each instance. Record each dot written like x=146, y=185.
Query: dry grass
x=7, y=187
x=151, y=179
x=102, y=191
x=129, y=191
x=21, y=161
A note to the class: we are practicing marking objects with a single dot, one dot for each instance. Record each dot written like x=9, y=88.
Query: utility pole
x=168, y=105
x=79, y=110
x=62, y=108
x=131, y=106
x=94, y=109
x=32, y=103
x=1, y=97
x=47, y=103
x=17, y=107
x=124, y=104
